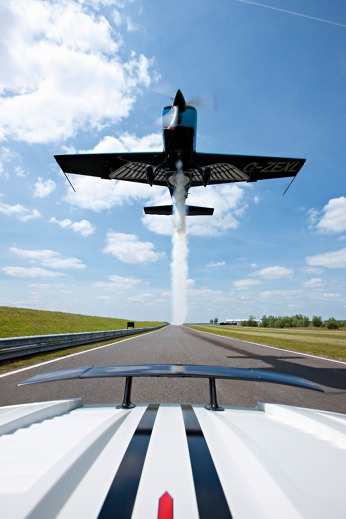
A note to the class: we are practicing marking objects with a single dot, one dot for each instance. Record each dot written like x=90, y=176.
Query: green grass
x=20, y=322
x=317, y=341
x=31, y=360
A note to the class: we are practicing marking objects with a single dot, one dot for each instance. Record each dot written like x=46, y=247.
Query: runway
x=182, y=345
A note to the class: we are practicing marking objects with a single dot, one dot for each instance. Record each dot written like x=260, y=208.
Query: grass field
x=20, y=322
x=317, y=341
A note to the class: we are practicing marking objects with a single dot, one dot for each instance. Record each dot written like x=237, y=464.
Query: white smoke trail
x=179, y=251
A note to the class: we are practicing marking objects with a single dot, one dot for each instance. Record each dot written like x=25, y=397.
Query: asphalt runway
x=182, y=345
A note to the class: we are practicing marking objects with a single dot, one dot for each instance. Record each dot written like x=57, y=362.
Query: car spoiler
x=173, y=370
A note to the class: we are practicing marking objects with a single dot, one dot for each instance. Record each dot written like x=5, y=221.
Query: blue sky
x=87, y=76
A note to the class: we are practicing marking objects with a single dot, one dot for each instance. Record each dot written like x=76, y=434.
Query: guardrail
x=14, y=347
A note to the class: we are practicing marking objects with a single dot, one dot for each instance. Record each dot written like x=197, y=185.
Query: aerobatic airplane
x=179, y=127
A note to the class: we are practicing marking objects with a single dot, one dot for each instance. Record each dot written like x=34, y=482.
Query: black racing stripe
x=211, y=499
x=121, y=496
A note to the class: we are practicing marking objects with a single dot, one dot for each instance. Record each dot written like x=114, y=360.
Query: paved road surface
x=178, y=344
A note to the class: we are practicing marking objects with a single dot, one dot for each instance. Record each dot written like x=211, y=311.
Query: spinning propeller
x=171, y=118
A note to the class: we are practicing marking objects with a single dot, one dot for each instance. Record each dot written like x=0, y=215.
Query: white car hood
x=65, y=459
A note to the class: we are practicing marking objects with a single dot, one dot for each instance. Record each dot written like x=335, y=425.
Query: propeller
x=206, y=100
x=170, y=119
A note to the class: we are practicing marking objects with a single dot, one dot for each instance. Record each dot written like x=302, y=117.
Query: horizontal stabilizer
x=190, y=210
x=159, y=209
x=195, y=210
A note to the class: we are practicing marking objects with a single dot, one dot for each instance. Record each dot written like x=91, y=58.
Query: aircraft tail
x=195, y=210
x=190, y=210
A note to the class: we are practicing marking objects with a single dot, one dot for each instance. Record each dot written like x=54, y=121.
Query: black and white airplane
x=179, y=127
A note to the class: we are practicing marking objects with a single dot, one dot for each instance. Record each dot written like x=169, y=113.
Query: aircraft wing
x=245, y=168
x=223, y=168
x=119, y=166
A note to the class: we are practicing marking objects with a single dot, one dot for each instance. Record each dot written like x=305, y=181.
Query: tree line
x=294, y=321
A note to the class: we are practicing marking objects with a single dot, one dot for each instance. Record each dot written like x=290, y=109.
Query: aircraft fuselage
x=179, y=127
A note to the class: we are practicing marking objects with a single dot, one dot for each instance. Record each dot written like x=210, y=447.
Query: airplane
x=179, y=128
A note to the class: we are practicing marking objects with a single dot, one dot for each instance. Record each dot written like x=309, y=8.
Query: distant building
x=238, y=322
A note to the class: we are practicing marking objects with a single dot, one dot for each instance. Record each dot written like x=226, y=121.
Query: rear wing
x=173, y=370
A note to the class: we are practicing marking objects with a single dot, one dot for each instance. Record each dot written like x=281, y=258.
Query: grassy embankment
x=20, y=322
x=316, y=341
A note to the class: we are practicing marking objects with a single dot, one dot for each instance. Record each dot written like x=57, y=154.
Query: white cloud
x=41, y=286
x=207, y=298
x=229, y=205
x=331, y=260
x=331, y=295
x=57, y=261
x=30, y=272
x=127, y=248
x=312, y=270
x=116, y=18
x=120, y=283
x=216, y=264
x=312, y=218
x=275, y=272
x=60, y=67
x=281, y=294
x=100, y=195
x=43, y=188
x=129, y=142
x=22, y=213
x=30, y=214
x=246, y=283
x=205, y=293
x=313, y=283
x=19, y=171
x=7, y=157
x=125, y=281
x=83, y=227
x=145, y=297
x=49, y=258
x=334, y=216
x=119, y=19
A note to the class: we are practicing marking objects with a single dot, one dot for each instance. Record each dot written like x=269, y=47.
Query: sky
x=92, y=76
